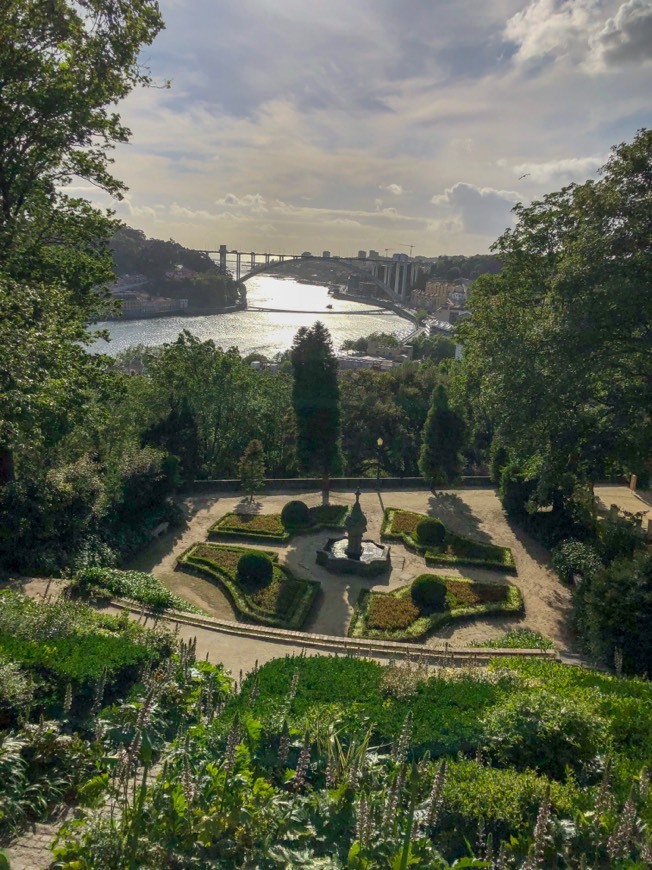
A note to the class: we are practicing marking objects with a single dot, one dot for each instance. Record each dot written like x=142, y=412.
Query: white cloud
x=252, y=202
x=548, y=27
x=394, y=189
x=558, y=171
x=482, y=211
x=627, y=37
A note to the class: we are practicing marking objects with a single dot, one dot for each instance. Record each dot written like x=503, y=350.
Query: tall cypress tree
x=443, y=437
x=316, y=402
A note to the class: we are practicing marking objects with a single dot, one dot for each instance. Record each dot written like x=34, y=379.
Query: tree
x=316, y=402
x=558, y=352
x=252, y=468
x=440, y=462
x=63, y=65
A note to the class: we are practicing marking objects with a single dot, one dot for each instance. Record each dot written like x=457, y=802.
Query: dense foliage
x=430, y=532
x=334, y=762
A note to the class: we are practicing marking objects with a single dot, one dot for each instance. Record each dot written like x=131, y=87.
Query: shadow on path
x=455, y=513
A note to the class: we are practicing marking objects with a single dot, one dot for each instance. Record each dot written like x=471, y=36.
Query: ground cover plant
x=340, y=762
x=272, y=527
x=402, y=526
x=411, y=612
x=283, y=602
x=518, y=638
x=133, y=585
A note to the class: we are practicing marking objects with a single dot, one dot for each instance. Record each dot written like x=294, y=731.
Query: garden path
x=473, y=512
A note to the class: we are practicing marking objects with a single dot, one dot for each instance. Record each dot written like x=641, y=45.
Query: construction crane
x=406, y=245
x=388, y=251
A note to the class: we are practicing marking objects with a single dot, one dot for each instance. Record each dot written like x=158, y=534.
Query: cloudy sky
x=296, y=125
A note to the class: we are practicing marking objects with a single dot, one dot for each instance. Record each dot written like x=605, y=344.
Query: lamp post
x=379, y=444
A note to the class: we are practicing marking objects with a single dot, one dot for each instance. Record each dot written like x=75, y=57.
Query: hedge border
x=433, y=558
x=215, y=533
x=241, y=602
x=512, y=606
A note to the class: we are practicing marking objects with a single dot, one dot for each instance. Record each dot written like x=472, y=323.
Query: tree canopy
x=558, y=352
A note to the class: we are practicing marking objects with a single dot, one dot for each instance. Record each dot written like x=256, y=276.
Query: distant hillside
x=172, y=270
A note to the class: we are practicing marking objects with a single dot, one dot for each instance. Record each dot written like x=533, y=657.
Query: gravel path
x=473, y=512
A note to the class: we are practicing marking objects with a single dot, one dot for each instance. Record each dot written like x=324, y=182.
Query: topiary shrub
x=429, y=592
x=255, y=569
x=430, y=532
x=295, y=514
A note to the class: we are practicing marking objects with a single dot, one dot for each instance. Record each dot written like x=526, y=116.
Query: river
x=266, y=332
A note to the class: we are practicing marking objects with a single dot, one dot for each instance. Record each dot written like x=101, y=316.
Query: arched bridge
x=394, y=276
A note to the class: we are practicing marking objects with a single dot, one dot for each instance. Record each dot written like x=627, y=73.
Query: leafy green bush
x=295, y=514
x=618, y=538
x=613, y=614
x=255, y=569
x=572, y=558
x=429, y=593
x=430, y=532
x=135, y=585
x=539, y=732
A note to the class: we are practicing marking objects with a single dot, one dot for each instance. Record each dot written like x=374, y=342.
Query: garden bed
x=400, y=525
x=269, y=527
x=283, y=603
x=395, y=616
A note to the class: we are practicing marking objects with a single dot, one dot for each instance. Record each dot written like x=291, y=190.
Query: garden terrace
x=401, y=525
x=284, y=602
x=269, y=527
x=397, y=616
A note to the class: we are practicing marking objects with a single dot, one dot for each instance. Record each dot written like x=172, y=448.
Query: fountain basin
x=374, y=558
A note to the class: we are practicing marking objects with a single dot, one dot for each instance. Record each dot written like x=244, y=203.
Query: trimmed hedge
x=269, y=527
x=464, y=599
x=284, y=603
x=456, y=550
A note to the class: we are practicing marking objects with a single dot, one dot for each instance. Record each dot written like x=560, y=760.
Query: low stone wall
x=338, y=484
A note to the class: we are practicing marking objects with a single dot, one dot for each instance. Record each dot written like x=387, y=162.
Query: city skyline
x=380, y=124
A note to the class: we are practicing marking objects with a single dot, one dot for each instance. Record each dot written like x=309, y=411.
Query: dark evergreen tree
x=443, y=435
x=252, y=468
x=316, y=402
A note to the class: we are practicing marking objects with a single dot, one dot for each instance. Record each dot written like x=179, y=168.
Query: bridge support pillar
x=223, y=259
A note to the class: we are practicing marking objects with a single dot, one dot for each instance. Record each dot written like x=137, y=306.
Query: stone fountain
x=353, y=555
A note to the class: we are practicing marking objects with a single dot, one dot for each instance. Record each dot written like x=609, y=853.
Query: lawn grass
x=283, y=603
x=269, y=527
x=400, y=525
x=395, y=616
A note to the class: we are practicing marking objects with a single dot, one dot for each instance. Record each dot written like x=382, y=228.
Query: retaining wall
x=338, y=484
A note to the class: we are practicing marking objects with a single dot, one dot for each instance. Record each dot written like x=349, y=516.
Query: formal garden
x=285, y=595
x=439, y=545
x=429, y=602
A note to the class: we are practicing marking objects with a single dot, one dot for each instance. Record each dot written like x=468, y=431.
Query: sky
x=339, y=125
